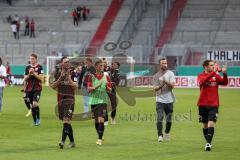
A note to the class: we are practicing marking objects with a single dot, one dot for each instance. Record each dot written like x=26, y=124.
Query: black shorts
x=99, y=110
x=33, y=96
x=65, y=108
x=208, y=114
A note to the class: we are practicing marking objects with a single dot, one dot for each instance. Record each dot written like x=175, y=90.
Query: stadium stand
x=205, y=25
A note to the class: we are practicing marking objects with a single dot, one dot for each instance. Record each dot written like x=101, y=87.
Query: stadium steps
x=169, y=26
x=193, y=58
x=104, y=27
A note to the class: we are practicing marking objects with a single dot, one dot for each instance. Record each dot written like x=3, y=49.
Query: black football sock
x=168, y=127
x=205, y=132
x=28, y=105
x=70, y=134
x=34, y=114
x=100, y=130
x=113, y=114
x=38, y=112
x=210, y=134
x=65, y=132
x=97, y=126
x=159, y=128
x=106, y=117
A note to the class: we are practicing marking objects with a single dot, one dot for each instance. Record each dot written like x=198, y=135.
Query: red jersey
x=34, y=84
x=74, y=14
x=99, y=77
x=32, y=26
x=8, y=70
x=208, y=84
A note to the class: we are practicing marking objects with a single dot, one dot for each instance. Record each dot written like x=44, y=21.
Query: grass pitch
x=133, y=137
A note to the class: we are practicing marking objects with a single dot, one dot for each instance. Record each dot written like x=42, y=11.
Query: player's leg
x=69, y=118
x=1, y=95
x=102, y=108
x=36, y=98
x=160, y=115
x=168, y=109
x=27, y=103
x=113, y=100
x=65, y=132
x=30, y=97
x=203, y=118
x=212, y=119
x=66, y=110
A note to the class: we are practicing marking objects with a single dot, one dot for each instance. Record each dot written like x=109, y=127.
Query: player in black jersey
x=33, y=78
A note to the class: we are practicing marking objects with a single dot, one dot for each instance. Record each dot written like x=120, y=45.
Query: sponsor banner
x=16, y=79
x=181, y=82
x=224, y=55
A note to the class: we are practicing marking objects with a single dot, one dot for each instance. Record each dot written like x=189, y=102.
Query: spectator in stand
x=88, y=12
x=14, y=29
x=9, y=19
x=27, y=24
x=75, y=17
x=9, y=2
x=16, y=18
x=32, y=29
x=18, y=28
x=79, y=10
x=84, y=11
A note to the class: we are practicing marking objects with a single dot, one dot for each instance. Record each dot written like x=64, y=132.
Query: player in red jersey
x=208, y=101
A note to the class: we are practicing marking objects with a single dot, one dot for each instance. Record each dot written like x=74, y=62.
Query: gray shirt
x=165, y=94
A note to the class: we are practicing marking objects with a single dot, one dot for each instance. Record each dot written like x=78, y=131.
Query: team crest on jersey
x=36, y=69
x=214, y=78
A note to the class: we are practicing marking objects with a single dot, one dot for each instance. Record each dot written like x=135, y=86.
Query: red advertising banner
x=181, y=82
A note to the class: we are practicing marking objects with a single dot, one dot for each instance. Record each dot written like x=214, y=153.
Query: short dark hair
x=206, y=63
x=34, y=55
x=161, y=59
x=96, y=63
x=89, y=59
x=64, y=57
x=118, y=64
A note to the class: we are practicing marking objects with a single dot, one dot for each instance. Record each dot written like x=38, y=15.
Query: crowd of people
x=97, y=82
x=29, y=29
x=80, y=13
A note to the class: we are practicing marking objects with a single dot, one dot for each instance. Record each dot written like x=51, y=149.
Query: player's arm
x=171, y=82
x=56, y=83
x=4, y=74
x=38, y=76
x=109, y=84
x=224, y=80
x=156, y=86
x=204, y=79
x=90, y=87
x=71, y=82
x=27, y=73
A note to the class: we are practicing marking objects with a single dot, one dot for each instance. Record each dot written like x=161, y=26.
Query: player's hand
x=63, y=74
x=35, y=73
x=31, y=70
x=164, y=80
x=224, y=69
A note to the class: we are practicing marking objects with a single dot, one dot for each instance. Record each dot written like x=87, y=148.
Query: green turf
x=134, y=137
